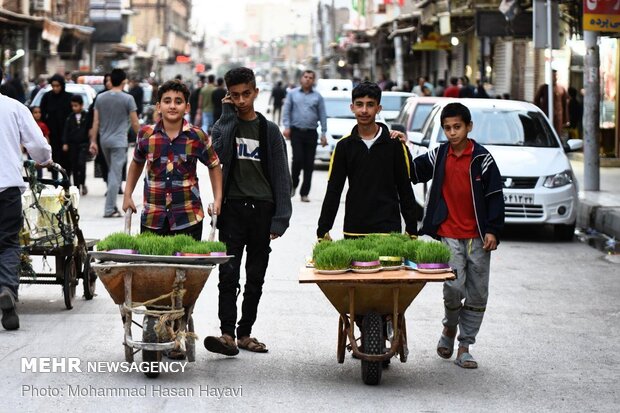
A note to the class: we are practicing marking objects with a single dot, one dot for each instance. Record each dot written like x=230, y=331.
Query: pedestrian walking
x=18, y=130
x=575, y=114
x=101, y=166
x=452, y=91
x=278, y=94
x=36, y=114
x=55, y=108
x=204, y=112
x=115, y=111
x=466, y=90
x=75, y=143
x=560, y=103
x=256, y=210
x=303, y=109
x=465, y=208
x=376, y=168
x=218, y=94
x=193, y=99
x=172, y=203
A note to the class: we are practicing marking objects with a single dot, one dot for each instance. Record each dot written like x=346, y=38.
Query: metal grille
x=520, y=182
x=524, y=211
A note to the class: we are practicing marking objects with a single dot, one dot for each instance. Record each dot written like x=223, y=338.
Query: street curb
x=604, y=219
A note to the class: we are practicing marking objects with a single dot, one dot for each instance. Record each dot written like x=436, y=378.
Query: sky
x=216, y=16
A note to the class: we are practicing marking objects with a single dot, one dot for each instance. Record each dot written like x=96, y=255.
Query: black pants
x=77, y=157
x=304, y=149
x=277, y=114
x=243, y=224
x=10, y=223
x=195, y=231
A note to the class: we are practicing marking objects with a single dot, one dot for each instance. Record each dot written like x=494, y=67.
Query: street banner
x=601, y=15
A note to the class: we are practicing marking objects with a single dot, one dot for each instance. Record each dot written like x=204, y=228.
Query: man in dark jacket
x=256, y=208
x=55, y=108
x=465, y=209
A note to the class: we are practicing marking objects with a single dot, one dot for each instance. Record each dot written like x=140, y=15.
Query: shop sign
x=601, y=15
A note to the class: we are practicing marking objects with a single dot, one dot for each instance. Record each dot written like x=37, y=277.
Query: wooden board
x=309, y=275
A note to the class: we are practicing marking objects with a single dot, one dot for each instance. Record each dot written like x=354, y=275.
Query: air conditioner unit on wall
x=41, y=5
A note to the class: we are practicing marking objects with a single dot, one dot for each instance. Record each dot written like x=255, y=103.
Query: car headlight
x=559, y=179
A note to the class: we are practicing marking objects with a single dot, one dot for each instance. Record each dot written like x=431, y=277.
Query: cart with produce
x=375, y=292
x=159, y=278
x=51, y=229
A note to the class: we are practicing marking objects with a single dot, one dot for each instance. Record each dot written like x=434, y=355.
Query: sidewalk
x=599, y=210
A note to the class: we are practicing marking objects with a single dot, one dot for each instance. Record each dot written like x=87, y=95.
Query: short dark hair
x=456, y=109
x=370, y=89
x=220, y=81
x=309, y=71
x=77, y=99
x=238, y=76
x=174, y=85
x=211, y=78
x=454, y=81
x=117, y=76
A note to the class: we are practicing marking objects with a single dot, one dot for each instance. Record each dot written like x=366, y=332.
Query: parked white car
x=539, y=184
x=86, y=91
x=392, y=103
x=340, y=122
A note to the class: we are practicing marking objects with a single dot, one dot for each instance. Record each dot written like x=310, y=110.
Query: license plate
x=513, y=198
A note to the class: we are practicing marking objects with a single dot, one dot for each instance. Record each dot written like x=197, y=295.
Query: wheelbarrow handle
x=213, y=224
x=128, y=215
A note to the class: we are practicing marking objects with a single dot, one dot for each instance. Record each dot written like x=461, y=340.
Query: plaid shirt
x=171, y=185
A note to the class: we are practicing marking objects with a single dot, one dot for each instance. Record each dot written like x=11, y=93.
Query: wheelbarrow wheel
x=150, y=336
x=69, y=282
x=89, y=280
x=372, y=343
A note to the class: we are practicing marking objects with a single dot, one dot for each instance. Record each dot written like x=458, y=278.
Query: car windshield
x=421, y=113
x=339, y=108
x=393, y=103
x=510, y=128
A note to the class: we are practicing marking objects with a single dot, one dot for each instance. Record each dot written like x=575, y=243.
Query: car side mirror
x=418, y=139
x=573, y=145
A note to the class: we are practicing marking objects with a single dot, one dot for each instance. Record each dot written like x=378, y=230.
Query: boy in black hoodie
x=377, y=168
x=75, y=142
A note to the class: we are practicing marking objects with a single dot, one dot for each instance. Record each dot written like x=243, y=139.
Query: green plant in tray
x=410, y=249
x=117, y=241
x=433, y=252
x=320, y=246
x=336, y=257
x=156, y=245
x=204, y=247
x=365, y=256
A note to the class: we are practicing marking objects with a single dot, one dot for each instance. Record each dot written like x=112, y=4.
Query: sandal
x=445, y=347
x=466, y=361
x=222, y=345
x=252, y=344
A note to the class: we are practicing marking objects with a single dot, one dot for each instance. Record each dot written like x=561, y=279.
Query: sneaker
x=223, y=345
x=10, y=320
x=304, y=198
x=115, y=214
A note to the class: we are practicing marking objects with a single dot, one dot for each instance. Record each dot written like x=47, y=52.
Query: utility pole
x=398, y=47
x=591, y=100
x=333, y=71
x=548, y=67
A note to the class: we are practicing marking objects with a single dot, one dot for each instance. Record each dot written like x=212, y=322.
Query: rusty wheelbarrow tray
x=372, y=300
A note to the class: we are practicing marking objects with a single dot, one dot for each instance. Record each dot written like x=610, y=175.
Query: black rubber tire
x=69, y=282
x=89, y=280
x=563, y=232
x=372, y=343
x=149, y=336
x=342, y=341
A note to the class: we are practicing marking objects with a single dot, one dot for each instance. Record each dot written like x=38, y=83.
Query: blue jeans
x=207, y=121
x=116, y=158
x=10, y=224
x=465, y=298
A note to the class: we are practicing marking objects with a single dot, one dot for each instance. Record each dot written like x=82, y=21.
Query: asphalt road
x=548, y=341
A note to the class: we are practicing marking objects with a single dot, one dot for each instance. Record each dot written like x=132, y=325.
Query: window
x=419, y=116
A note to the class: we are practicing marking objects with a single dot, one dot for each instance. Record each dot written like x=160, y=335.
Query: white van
x=326, y=85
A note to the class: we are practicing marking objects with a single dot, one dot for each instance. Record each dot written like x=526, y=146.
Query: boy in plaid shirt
x=171, y=149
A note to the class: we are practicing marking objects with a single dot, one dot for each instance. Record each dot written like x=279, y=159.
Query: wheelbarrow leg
x=126, y=316
x=342, y=337
x=191, y=342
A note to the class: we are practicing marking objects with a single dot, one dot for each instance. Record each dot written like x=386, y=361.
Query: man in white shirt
x=17, y=129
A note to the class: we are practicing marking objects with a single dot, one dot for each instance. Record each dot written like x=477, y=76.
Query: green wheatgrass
x=433, y=253
x=117, y=241
x=365, y=256
x=204, y=247
x=320, y=246
x=390, y=247
x=181, y=241
x=410, y=249
x=333, y=258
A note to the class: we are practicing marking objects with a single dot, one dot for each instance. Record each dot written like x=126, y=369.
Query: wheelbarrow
x=164, y=290
x=377, y=303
